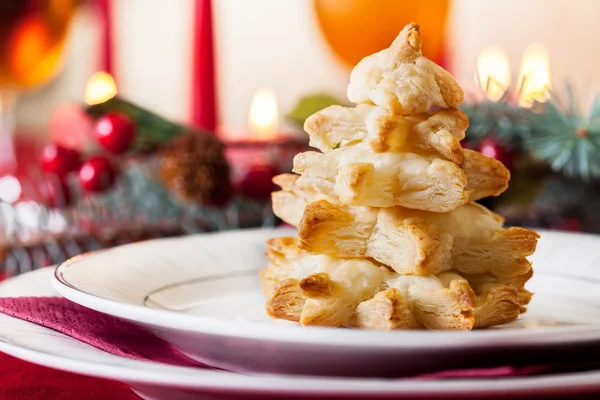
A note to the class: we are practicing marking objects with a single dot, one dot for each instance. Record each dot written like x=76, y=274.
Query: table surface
x=20, y=380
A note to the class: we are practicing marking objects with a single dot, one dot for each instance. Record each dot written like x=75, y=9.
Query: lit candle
x=100, y=88
x=263, y=116
x=534, y=76
x=493, y=72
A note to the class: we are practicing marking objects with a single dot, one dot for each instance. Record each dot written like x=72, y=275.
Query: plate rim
x=312, y=335
x=163, y=375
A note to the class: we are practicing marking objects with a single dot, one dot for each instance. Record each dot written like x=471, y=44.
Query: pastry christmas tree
x=388, y=234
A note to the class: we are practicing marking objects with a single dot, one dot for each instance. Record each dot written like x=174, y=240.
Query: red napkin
x=22, y=380
x=102, y=331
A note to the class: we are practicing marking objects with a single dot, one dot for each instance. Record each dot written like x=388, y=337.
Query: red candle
x=203, y=79
x=106, y=47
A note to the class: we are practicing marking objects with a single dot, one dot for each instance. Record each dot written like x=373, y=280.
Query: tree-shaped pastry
x=388, y=234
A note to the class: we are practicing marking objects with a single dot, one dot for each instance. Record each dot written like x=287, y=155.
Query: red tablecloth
x=20, y=380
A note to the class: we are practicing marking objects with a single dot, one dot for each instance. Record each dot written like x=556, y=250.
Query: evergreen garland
x=501, y=119
x=565, y=137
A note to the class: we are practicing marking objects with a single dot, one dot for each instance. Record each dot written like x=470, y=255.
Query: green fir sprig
x=505, y=121
x=565, y=137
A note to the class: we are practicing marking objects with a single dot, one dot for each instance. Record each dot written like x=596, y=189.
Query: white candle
x=263, y=116
x=534, y=76
x=493, y=72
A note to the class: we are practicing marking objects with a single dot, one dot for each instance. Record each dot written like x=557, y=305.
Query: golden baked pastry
x=388, y=234
x=326, y=291
x=418, y=242
x=358, y=176
x=439, y=133
x=486, y=176
x=449, y=307
x=401, y=80
x=289, y=202
x=469, y=239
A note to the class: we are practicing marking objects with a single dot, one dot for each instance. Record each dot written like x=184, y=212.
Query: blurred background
x=176, y=114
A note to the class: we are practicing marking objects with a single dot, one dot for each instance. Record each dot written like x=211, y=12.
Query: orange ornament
x=28, y=47
x=357, y=28
x=32, y=35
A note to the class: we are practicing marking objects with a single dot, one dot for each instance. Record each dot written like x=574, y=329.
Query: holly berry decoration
x=55, y=193
x=115, y=132
x=258, y=182
x=60, y=160
x=491, y=147
x=97, y=174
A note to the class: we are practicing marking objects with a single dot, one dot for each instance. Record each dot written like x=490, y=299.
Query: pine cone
x=193, y=166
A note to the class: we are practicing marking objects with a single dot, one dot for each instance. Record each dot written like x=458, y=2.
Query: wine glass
x=32, y=36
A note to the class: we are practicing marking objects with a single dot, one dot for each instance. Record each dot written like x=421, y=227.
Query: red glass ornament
x=489, y=146
x=258, y=182
x=115, y=132
x=55, y=193
x=60, y=160
x=97, y=174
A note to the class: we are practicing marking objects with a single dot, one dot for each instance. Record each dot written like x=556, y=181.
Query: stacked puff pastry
x=388, y=234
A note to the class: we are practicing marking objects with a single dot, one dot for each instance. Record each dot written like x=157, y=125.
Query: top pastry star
x=401, y=80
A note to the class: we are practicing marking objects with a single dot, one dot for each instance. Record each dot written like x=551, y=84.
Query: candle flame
x=534, y=76
x=493, y=72
x=263, y=115
x=100, y=88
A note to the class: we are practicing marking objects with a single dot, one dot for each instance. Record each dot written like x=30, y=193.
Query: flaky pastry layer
x=358, y=176
x=401, y=80
x=326, y=291
x=438, y=133
x=468, y=239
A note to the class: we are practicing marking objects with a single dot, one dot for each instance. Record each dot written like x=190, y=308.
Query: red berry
x=55, y=193
x=60, y=160
x=97, y=174
x=115, y=132
x=258, y=182
x=489, y=146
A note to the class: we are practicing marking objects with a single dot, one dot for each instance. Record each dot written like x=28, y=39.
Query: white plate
x=202, y=294
x=46, y=347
